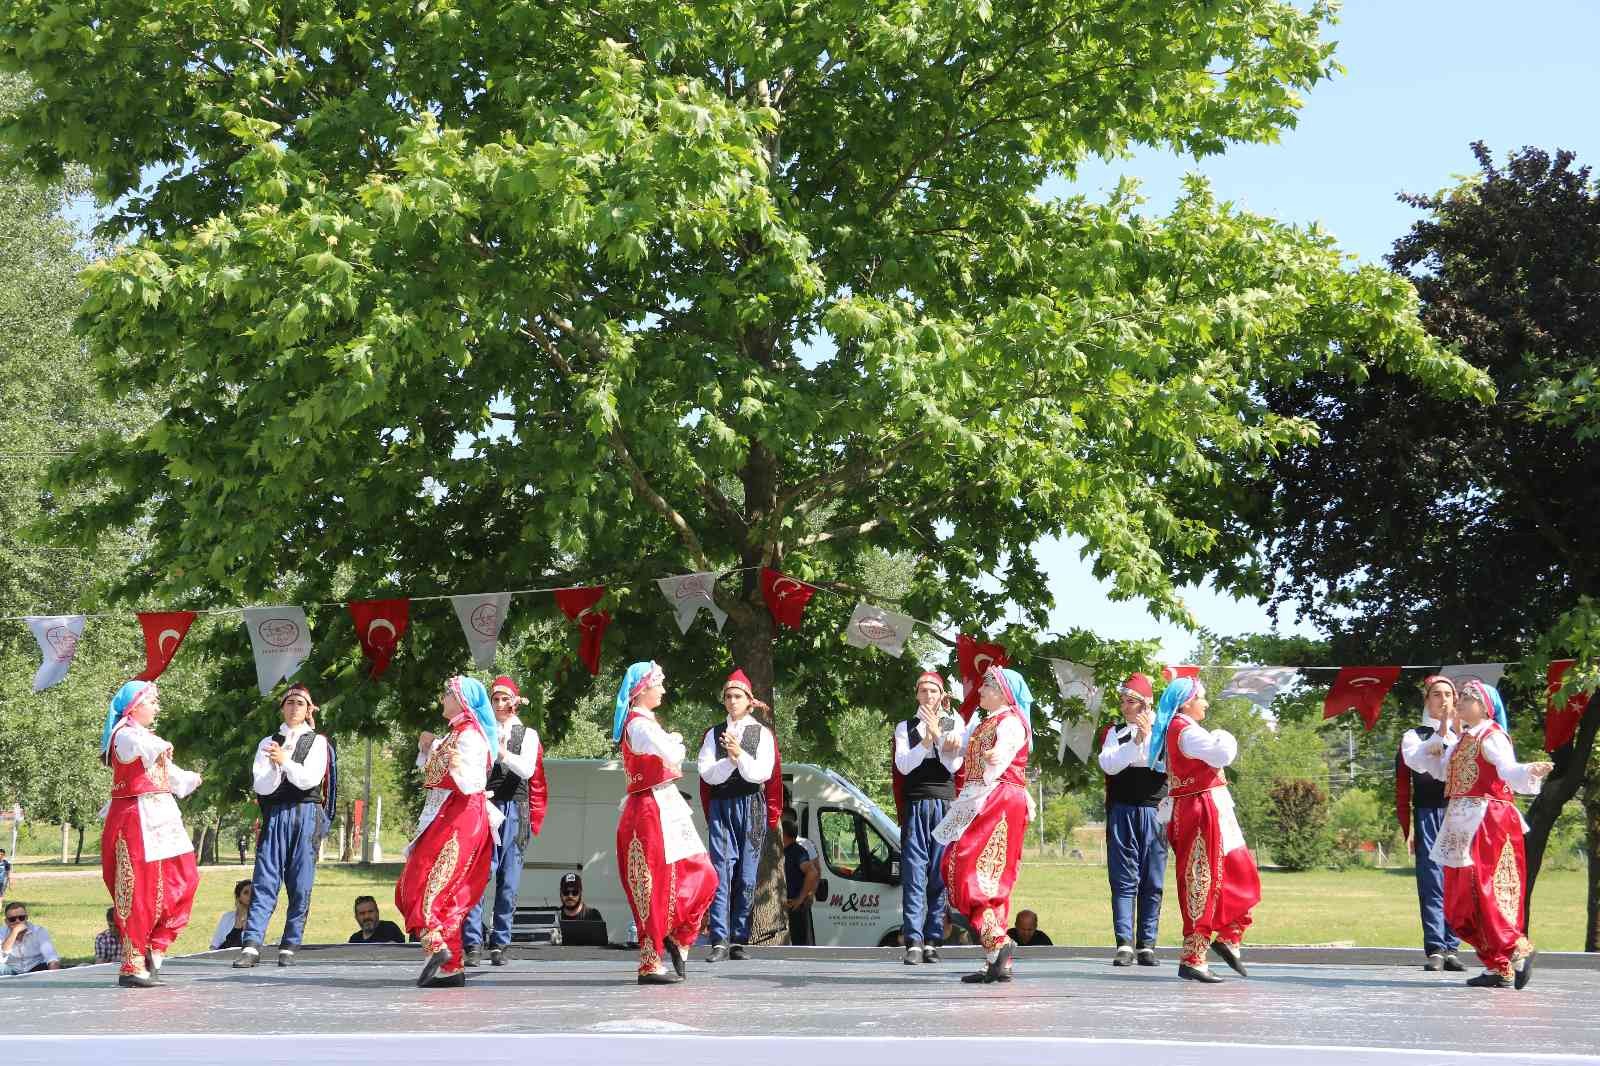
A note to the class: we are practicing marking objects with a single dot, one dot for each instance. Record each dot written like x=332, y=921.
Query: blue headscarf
x=639, y=676
x=129, y=694
x=1178, y=693
x=1016, y=692
x=475, y=699
x=1489, y=696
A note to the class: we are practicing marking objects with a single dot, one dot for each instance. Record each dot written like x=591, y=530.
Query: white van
x=858, y=898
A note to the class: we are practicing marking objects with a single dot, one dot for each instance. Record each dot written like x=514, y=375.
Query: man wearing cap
x=927, y=755
x=736, y=758
x=1420, y=805
x=1136, y=847
x=573, y=908
x=517, y=787
x=290, y=772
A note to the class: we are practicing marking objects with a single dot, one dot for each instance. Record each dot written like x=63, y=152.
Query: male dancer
x=1136, y=846
x=927, y=755
x=290, y=773
x=516, y=786
x=1417, y=788
x=736, y=758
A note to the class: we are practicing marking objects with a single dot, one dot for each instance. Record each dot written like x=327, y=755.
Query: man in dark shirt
x=800, y=876
x=374, y=930
x=1026, y=934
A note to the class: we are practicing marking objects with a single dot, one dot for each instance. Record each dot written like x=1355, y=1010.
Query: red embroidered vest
x=982, y=741
x=644, y=771
x=436, y=771
x=1187, y=776
x=1470, y=774
x=130, y=779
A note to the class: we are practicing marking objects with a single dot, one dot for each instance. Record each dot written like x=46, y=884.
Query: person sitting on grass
x=108, y=942
x=374, y=930
x=230, y=927
x=27, y=947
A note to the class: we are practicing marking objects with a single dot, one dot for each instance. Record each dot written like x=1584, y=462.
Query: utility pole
x=366, y=812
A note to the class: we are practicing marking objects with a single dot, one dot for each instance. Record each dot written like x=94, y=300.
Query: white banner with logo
x=1258, y=684
x=874, y=627
x=1489, y=673
x=689, y=593
x=281, y=641
x=481, y=618
x=58, y=641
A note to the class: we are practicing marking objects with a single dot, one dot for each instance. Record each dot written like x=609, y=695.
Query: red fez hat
x=933, y=677
x=737, y=679
x=506, y=685
x=1138, y=685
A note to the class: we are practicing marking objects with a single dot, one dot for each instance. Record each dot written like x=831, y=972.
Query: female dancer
x=145, y=854
x=1218, y=884
x=662, y=861
x=447, y=862
x=986, y=824
x=1480, y=843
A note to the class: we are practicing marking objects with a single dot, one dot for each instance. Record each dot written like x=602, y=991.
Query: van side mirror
x=894, y=870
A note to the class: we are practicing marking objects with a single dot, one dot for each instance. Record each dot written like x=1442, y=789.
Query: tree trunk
x=348, y=833
x=1572, y=764
x=752, y=642
x=78, y=856
x=1591, y=821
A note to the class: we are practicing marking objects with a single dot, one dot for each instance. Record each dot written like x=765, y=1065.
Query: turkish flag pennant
x=974, y=657
x=1172, y=673
x=380, y=624
x=1360, y=689
x=163, y=632
x=1561, y=723
x=786, y=597
x=578, y=605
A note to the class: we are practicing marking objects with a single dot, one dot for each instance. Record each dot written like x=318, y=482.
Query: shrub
x=1299, y=819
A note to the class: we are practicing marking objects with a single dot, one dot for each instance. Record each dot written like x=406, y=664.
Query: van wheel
x=890, y=939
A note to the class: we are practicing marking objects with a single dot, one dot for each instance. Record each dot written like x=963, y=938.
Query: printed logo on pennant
x=57, y=637
x=481, y=617
x=1258, y=684
x=1076, y=681
x=689, y=593
x=280, y=638
x=874, y=627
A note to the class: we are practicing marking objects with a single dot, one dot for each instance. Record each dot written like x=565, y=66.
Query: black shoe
x=1147, y=957
x=285, y=957
x=719, y=953
x=1123, y=957
x=431, y=966
x=930, y=953
x=1434, y=963
x=680, y=961
x=980, y=978
x=1000, y=968
x=1202, y=974
x=1524, y=971
x=738, y=952
x=1453, y=964
x=455, y=980
x=660, y=979
x=247, y=959
x=913, y=955
x=137, y=980
x=497, y=956
x=474, y=956
x=1488, y=979
x=1228, y=954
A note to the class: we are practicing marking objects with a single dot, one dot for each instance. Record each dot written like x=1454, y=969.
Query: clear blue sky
x=1423, y=79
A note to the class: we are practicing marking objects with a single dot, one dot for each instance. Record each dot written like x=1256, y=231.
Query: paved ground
x=346, y=1005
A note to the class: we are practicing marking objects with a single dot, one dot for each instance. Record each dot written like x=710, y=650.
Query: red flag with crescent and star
x=1561, y=723
x=380, y=624
x=578, y=605
x=1360, y=689
x=786, y=597
x=1172, y=673
x=163, y=632
x=974, y=657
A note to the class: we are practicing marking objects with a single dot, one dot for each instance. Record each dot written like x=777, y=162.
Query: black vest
x=503, y=784
x=1426, y=790
x=930, y=780
x=1137, y=786
x=736, y=786
x=286, y=794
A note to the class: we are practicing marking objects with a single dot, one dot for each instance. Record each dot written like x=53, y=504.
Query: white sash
x=963, y=812
x=678, y=837
x=162, y=827
x=1462, y=817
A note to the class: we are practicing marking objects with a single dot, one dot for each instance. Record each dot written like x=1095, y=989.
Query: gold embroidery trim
x=1508, y=886
x=1197, y=877
x=991, y=930
x=1463, y=770
x=444, y=867
x=992, y=860
x=649, y=959
x=123, y=893
x=1194, y=948
x=437, y=768
x=639, y=883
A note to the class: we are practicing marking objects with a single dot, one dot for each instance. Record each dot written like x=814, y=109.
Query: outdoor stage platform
x=819, y=1007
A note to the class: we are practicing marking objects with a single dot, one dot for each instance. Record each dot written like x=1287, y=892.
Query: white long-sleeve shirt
x=471, y=776
x=268, y=775
x=646, y=737
x=1496, y=747
x=524, y=762
x=1120, y=750
x=134, y=741
x=715, y=766
x=160, y=823
x=909, y=756
x=1213, y=747
x=1411, y=751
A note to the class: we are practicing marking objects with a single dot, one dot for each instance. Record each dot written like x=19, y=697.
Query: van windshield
x=880, y=821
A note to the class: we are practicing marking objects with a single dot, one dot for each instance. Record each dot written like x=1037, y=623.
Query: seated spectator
x=108, y=942
x=230, y=927
x=5, y=873
x=957, y=934
x=573, y=909
x=1026, y=933
x=27, y=947
x=373, y=929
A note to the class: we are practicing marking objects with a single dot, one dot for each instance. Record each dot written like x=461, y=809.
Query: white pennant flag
x=688, y=593
x=281, y=640
x=58, y=640
x=481, y=618
x=1259, y=684
x=1078, y=738
x=1489, y=673
x=874, y=627
x=1076, y=681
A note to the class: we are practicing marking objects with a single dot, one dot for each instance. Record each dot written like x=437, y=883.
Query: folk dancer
x=1218, y=884
x=985, y=826
x=1419, y=805
x=927, y=755
x=447, y=862
x=292, y=776
x=518, y=789
x=668, y=879
x=146, y=857
x=1480, y=843
x=1136, y=845
x=736, y=761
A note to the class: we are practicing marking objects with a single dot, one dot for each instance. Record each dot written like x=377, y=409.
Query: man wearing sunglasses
x=27, y=947
x=573, y=908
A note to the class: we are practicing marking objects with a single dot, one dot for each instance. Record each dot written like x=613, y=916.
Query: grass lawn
x=1361, y=906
